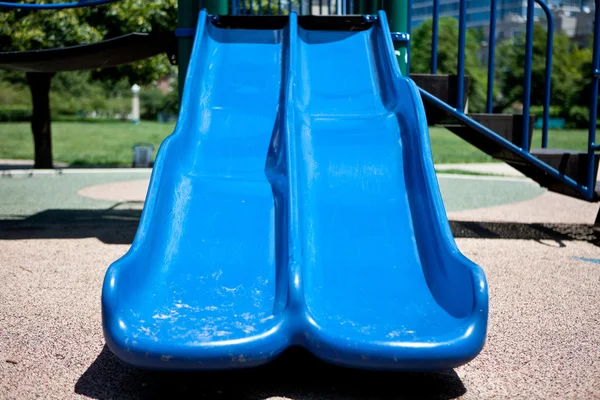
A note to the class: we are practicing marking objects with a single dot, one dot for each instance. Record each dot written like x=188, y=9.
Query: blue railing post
x=592, y=146
x=527, y=85
x=548, y=72
x=434, y=35
x=462, y=39
x=491, y=58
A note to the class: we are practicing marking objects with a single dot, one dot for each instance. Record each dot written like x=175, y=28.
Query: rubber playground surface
x=60, y=232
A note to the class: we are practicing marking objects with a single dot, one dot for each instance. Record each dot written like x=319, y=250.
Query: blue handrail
x=592, y=145
x=548, y=72
x=491, y=58
x=56, y=6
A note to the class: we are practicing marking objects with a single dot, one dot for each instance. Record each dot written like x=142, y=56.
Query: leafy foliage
x=43, y=29
x=447, y=56
x=569, y=80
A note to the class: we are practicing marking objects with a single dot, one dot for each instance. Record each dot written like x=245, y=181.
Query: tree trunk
x=39, y=84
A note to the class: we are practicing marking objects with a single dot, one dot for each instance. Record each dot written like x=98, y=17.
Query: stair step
x=568, y=162
x=509, y=126
x=444, y=88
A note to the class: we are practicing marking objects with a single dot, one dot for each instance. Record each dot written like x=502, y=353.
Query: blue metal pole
x=244, y=7
x=462, y=39
x=329, y=6
x=409, y=31
x=269, y=7
x=290, y=6
x=434, y=35
x=592, y=146
x=548, y=72
x=491, y=58
x=251, y=7
x=279, y=7
x=527, y=85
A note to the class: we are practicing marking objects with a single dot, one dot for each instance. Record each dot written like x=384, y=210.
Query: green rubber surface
x=24, y=196
x=464, y=192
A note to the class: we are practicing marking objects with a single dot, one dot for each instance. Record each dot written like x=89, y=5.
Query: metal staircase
x=491, y=132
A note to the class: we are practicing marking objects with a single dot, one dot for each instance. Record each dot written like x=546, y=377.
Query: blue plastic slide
x=296, y=204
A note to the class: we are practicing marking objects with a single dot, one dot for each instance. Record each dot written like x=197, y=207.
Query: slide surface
x=295, y=204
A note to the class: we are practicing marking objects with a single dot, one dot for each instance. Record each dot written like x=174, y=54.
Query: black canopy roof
x=107, y=53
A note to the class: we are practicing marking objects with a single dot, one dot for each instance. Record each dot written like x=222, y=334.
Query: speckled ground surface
x=543, y=271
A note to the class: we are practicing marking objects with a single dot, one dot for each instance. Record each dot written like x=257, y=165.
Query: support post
x=371, y=7
x=39, y=84
x=216, y=7
x=187, y=17
x=398, y=12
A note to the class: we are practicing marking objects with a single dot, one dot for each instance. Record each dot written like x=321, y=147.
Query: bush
x=13, y=95
x=538, y=111
x=15, y=114
x=157, y=105
x=578, y=117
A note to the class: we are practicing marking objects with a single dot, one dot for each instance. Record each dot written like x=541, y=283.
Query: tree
x=569, y=75
x=24, y=29
x=447, y=56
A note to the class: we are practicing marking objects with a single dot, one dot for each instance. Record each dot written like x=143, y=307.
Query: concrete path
x=59, y=233
x=481, y=168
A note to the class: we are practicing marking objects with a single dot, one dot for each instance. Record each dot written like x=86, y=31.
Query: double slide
x=296, y=204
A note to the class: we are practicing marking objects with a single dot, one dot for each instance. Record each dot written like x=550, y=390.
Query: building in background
x=478, y=11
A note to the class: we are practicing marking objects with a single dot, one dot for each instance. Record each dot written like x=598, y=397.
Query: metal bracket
x=400, y=37
x=185, y=32
x=370, y=18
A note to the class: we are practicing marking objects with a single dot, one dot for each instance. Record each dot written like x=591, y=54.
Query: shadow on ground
x=118, y=226
x=111, y=226
x=295, y=374
x=559, y=233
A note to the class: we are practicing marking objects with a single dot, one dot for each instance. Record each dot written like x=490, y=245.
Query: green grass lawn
x=85, y=143
x=110, y=143
x=448, y=148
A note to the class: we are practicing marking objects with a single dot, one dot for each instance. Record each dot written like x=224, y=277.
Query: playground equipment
x=296, y=202
x=297, y=208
